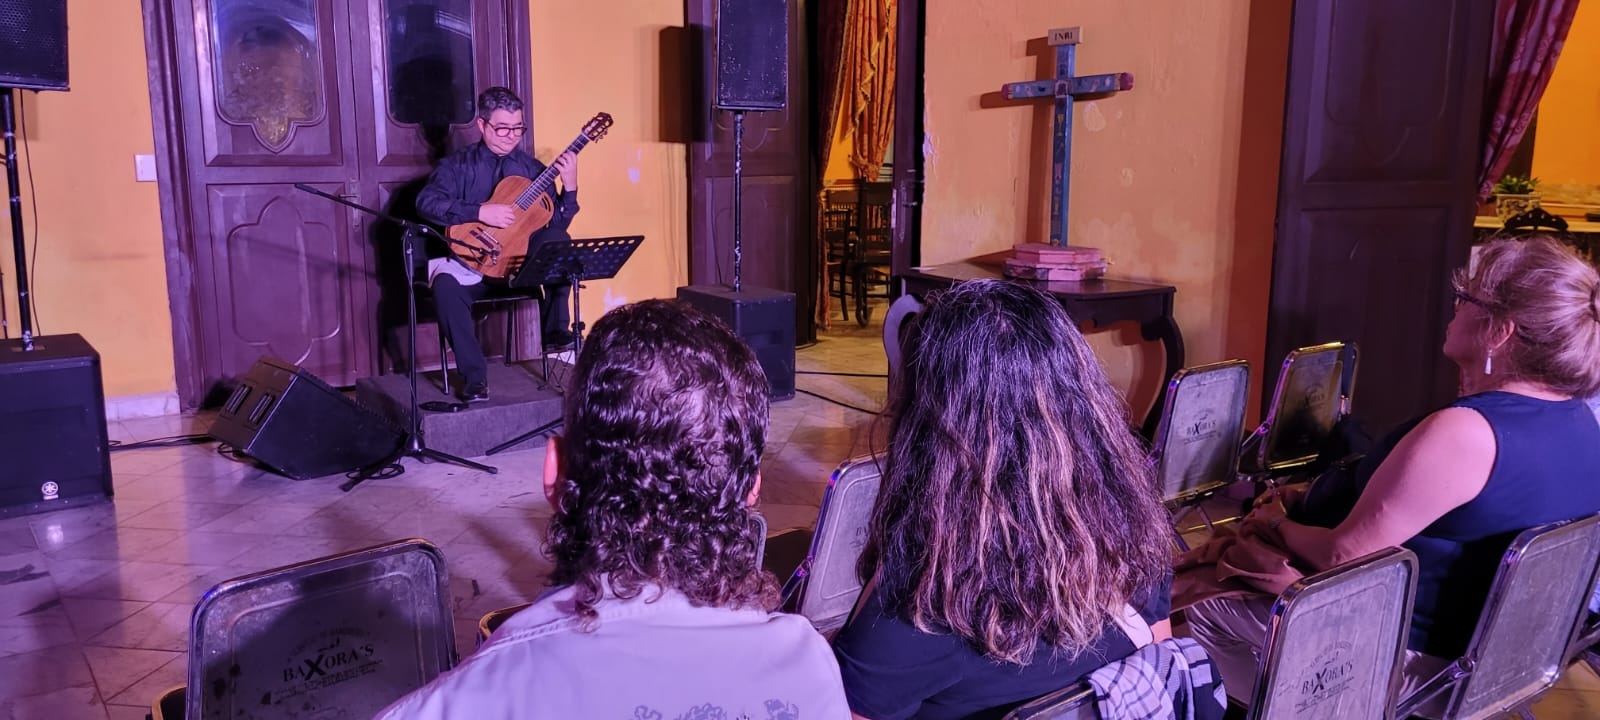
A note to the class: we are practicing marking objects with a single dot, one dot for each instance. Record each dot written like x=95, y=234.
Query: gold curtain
x=861, y=96
x=868, y=67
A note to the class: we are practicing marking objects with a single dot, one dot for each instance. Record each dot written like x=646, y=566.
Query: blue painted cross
x=1065, y=88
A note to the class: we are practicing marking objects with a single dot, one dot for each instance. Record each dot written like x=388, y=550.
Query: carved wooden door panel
x=356, y=98
x=1380, y=155
x=277, y=270
x=776, y=167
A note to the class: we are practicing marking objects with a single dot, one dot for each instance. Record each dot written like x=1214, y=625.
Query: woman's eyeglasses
x=508, y=130
x=1463, y=296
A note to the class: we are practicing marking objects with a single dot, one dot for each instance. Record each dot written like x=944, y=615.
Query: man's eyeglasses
x=508, y=130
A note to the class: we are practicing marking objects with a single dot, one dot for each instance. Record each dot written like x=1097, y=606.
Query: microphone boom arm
x=424, y=228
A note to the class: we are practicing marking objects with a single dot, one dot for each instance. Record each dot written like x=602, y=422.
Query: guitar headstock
x=597, y=126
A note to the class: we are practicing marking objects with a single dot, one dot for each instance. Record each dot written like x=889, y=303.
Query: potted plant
x=1514, y=195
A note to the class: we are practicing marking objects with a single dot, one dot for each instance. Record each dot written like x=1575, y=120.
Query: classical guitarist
x=457, y=193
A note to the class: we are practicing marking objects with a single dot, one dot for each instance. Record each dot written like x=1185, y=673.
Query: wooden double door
x=356, y=98
x=1381, y=146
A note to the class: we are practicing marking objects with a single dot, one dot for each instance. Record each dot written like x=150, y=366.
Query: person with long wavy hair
x=661, y=608
x=1017, y=524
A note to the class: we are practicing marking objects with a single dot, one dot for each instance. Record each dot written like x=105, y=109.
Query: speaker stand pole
x=413, y=445
x=738, y=191
x=8, y=123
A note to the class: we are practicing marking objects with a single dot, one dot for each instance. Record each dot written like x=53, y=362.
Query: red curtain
x=856, y=66
x=870, y=56
x=1528, y=35
x=830, y=29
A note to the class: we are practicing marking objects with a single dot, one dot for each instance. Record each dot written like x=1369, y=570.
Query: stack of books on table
x=1039, y=261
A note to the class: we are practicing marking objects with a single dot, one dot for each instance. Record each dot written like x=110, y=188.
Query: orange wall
x=1176, y=181
x=636, y=180
x=100, y=269
x=1566, y=147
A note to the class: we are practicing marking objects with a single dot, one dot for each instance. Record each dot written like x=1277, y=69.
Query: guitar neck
x=547, y=179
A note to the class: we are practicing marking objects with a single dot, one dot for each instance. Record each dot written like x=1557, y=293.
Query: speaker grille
x=752, y=54
x=33, y=44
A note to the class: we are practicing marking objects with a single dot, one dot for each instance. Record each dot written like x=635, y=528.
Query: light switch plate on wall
x=144, y=168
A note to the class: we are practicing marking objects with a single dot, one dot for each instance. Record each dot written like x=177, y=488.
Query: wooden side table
x=1100, y=303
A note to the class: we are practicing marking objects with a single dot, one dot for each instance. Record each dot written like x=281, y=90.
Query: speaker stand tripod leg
x=413, y=448
x=529, y=435
x=441, y=456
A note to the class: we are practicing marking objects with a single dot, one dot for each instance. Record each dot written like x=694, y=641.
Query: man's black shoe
x=475, y=392
x=557, y=341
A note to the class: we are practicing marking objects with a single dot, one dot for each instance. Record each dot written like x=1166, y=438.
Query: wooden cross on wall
x=1065, y=88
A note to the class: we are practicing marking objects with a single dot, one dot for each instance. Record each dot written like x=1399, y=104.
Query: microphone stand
x=413, y=446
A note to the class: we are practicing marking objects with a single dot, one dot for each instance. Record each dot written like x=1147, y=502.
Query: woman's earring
x=1488, y=364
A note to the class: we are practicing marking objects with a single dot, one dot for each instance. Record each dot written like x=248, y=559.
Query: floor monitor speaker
x=291, y=421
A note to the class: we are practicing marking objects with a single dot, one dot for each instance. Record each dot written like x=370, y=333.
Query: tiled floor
x=96, y=602
x=95, y=610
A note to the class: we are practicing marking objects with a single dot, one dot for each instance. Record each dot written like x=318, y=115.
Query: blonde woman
x=1519, y=448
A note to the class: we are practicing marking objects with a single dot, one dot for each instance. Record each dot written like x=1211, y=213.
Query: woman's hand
x=1288, y=496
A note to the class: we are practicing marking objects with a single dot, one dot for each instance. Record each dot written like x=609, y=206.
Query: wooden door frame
x=177, y=239
x=905, y=227
x=177, y=233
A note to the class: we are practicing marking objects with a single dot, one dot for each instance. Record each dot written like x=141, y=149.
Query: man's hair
x=497, y=98
x=1016, y=505
x=1551, y=296
x=666, y=420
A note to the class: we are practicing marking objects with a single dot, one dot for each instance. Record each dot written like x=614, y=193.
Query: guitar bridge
x=490, y=245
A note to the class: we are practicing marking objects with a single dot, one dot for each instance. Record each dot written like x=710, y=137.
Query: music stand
x=560, y=262
x=413, y=446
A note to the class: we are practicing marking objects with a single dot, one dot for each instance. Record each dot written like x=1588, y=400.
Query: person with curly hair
x=1017, y=528
x=661, y=608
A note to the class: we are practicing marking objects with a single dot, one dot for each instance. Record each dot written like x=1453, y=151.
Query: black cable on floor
x=836, y=402
x=169, y=441
x=842, y=374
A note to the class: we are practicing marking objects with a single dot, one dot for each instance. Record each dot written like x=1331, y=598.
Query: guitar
x=498, y=252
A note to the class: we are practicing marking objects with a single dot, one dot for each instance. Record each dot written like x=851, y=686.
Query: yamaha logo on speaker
x=50, y=490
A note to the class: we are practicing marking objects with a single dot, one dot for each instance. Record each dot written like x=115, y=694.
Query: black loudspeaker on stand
x=33, y=44
x=53, y=439
x=752, y=75
x=752, y=54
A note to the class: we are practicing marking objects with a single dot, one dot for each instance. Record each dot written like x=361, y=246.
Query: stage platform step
x=519, y=401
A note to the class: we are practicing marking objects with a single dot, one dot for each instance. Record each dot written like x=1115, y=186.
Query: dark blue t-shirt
x=1546, y=469
x=891, y=670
